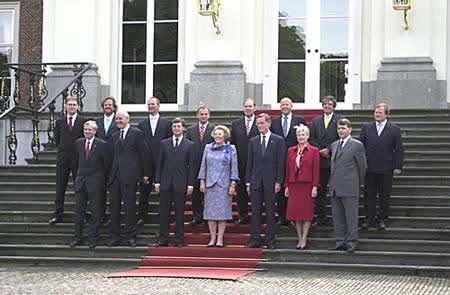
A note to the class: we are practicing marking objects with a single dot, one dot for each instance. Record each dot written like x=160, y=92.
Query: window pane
x=133, y=84
x=134, y=43
x=134, y=10
x=165, y=83
x=292, y=39
x=334, y=7
x=291, y=81
x=334, y=38
x=292, y=8
x=166, y=42
x=6, y=30
x=166, y=9
x=333, y=79
x=5, y=55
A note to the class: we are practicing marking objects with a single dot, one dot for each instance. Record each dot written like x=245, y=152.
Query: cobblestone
x=86, y=280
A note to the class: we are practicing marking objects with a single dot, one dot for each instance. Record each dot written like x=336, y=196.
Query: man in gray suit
x=348, y=168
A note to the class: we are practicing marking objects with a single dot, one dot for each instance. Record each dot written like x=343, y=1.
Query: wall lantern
x=404, y=5
x=210, y=8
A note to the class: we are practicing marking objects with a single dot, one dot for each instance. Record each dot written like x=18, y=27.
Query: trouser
x=197, y=203
x=345, y=220
x=93, y=196
x=126, y=193
x=242, y=199
x=321, y=201
x=257, y=198
x=381, y=185
x=167, y=197
x=65, y=164
x=145, y=190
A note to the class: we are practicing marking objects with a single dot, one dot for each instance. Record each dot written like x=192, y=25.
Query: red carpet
x=218, y=274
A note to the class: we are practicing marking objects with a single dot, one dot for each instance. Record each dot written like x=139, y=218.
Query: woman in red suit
x=301, y=183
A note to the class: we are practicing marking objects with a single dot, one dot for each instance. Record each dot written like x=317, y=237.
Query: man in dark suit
x=241, y=131
x=94, y=159
x=106, y=128
x=384, y=148
x=128, y=168
x=264, y=176
x=174, y=179
x=323, y=133
x=200, y=135
x=284, y=126
x=67, y=130
x=155, y=130
x=348, y=168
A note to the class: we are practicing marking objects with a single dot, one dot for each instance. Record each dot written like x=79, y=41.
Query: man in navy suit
x=242, y=130
x=323, y=133
x=155, y=130
x=284, y=126
x=94, y=159
x=106, y=125
x=67, y=129
x=264, y=176
x=174, y=180
x=384, y=149
x=200, y=135
x=128, y=168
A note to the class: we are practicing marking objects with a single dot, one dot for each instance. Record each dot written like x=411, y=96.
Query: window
x=8, y=38
x=149, y=62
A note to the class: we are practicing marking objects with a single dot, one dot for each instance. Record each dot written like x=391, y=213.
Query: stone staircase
x=417, y=241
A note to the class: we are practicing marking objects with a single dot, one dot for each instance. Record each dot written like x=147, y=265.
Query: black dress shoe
x=271, y=246
x=338, y=248
x=114, y=243
x=283, y=223
x=102, y=220
x=196, y=221
x=163, y=244
x=54, y=220
x=350, y=250
x=179, y=245
x=132, y=243
x=92, y=245
x=253, y=245
x=381, y=225
x=76, y=243
x=243, y=220
x=140, y=222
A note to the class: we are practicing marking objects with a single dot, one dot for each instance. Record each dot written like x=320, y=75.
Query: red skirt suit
x=300, y=181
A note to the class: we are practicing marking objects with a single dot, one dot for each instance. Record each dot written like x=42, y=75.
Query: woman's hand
x=314, y=192
x=232, y=189
x=202, y=186
x=286, y=192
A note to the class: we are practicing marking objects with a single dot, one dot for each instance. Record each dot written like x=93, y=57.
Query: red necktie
x=70, y=124
x=202, y=132
x=87, y=150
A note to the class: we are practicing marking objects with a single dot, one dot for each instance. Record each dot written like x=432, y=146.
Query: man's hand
x=324, y=153
x=397, y=171
x=145, y=180
x=202, y=186
x=277, y=187
x=189, y=190
x=248, y=189
x=157, y=187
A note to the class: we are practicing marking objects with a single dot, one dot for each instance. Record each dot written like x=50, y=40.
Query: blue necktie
x=285, y=126
x=107, y=124
x=379, y=126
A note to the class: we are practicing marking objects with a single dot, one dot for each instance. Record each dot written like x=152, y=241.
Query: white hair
x=124, y=113
x=301, y=128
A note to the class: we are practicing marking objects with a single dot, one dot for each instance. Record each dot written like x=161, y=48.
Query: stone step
x=359, y=257
x=436, y=163
x=396, y=210
x=424, y=180
x=410, y=170
x=436, y=155
x=284, y=231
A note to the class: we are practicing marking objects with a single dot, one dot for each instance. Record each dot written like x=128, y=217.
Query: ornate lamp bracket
x=210, y=8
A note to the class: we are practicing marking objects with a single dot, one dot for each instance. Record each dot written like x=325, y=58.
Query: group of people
x=279, y=165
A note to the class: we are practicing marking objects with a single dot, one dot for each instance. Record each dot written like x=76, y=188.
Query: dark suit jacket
x=153, y=142
x=193, y=134
x=64, y=139
x=92, y=170
x=129, y=157
x=101, y=128
x=175, y=167
x=268, y=169
x=240, y=139
x=385, y=152
x=291, y=138
x=322, y=137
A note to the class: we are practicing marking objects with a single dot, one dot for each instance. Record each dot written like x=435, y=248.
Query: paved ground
x=19, y=279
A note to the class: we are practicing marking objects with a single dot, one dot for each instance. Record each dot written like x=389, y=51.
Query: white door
x=312, y=57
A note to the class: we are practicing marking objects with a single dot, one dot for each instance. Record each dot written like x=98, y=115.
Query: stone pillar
x=217, y=84
x=408, y=82
x=61, y=75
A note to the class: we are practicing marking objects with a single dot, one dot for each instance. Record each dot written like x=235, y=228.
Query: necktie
x=285, y=126
x=379, y=128
x=176, y=142
x=202, y=132
x=247, y=125
x=263, y=145
x=122, y=133
x=107, y=124
x=87, y=150
x=70, y=124
x=327, y=121
x=341, y=144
